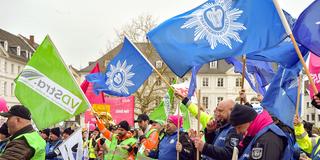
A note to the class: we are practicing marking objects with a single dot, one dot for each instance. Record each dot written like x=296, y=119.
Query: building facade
x=15, y=51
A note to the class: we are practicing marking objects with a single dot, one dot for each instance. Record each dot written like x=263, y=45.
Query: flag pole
x=298, y=95
x=289, y=32
x=198, y=116
x=178, y=139
x=145, y=58
x=243, y=74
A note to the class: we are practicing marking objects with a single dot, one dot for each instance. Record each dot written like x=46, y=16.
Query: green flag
x=48, y=89
x=186, y=117
x=162, y=111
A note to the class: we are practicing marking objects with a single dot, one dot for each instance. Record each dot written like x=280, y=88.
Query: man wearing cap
x=122, y=142
x=24, y=143
x=220, y=135
x=169, y=145
x=45, y=134
x=262, y=138
x=158, y=125
x=148, y=136
x=52, y=151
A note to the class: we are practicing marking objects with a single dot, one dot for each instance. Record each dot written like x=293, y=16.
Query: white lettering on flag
x=49, y=89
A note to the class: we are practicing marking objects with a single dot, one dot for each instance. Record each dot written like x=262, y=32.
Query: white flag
x=65, y=147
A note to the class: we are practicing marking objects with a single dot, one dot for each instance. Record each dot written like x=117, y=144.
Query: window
x=313, y=116
x=205, y=82
x=27, y=54
x=219, y=99
x=12, y=89
x=308, y=104
x=220, y=82
x=213, y=65
x=18, y=50
x=308, y=117
x=6, y=46
x=12, y=68
x=5, y=88
x=5, y=67
x=319, y=117
x=158, y=64
x=205, y=102
x=238, y=82
x=19, y=69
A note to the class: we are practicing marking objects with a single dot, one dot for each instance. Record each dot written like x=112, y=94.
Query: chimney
x=31, y=39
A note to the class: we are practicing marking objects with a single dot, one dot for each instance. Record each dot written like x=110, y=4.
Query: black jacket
x=269, y=146
x=221, y=153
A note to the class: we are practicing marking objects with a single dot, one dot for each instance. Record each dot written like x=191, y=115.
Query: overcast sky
x=81, y=29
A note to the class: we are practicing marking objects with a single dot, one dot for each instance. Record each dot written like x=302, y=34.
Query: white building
x=15, y=51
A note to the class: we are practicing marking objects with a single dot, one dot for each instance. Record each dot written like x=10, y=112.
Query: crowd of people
x=234, y=130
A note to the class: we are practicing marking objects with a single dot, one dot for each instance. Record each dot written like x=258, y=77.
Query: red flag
x=93, y=98
x=87, y=89
x=314, y=67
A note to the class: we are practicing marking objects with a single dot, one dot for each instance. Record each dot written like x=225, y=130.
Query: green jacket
x=204, y=117
x=305, y=142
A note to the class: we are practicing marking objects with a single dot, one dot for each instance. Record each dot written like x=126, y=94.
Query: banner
x=121, y=108
x=314, y=67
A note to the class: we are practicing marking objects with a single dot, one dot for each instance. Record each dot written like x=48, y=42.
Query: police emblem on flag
x=216, y=23
x=119, y=77
x=256, y=153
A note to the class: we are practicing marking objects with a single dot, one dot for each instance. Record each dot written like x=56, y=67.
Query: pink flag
x=93, y=98
x=314, y=67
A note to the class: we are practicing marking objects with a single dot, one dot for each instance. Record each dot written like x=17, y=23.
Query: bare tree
x=150, y=93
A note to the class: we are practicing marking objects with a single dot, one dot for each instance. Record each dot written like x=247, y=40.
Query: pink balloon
x=3, y=105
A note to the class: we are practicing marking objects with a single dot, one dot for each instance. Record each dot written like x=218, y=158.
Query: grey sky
x=81, y=28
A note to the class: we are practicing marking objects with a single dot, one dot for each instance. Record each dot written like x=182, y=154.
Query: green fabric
x=48, y=89
x=304, y=142
x=37, y=143
x=116, y=152
x=163, y=109
x=204, y=117
x=92, y=153
x=186, y=117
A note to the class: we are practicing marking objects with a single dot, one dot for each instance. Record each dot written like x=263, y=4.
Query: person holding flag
x=148, y=136
x=122, y=144
x=220, y=136
x=308, y=144
x=25, y=142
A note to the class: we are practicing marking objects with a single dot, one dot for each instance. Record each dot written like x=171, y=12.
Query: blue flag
x=307, y=28
x=216, y=30
x=284, y=54
x=193, y=82
x=281, y=97
x=258, y=74
x=124, y=74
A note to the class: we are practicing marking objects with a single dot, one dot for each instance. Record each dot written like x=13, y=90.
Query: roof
x=222, y=66
x=15, y=41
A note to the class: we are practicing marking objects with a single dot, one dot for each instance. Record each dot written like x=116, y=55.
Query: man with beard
x=122, y=142
x=220, y=136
